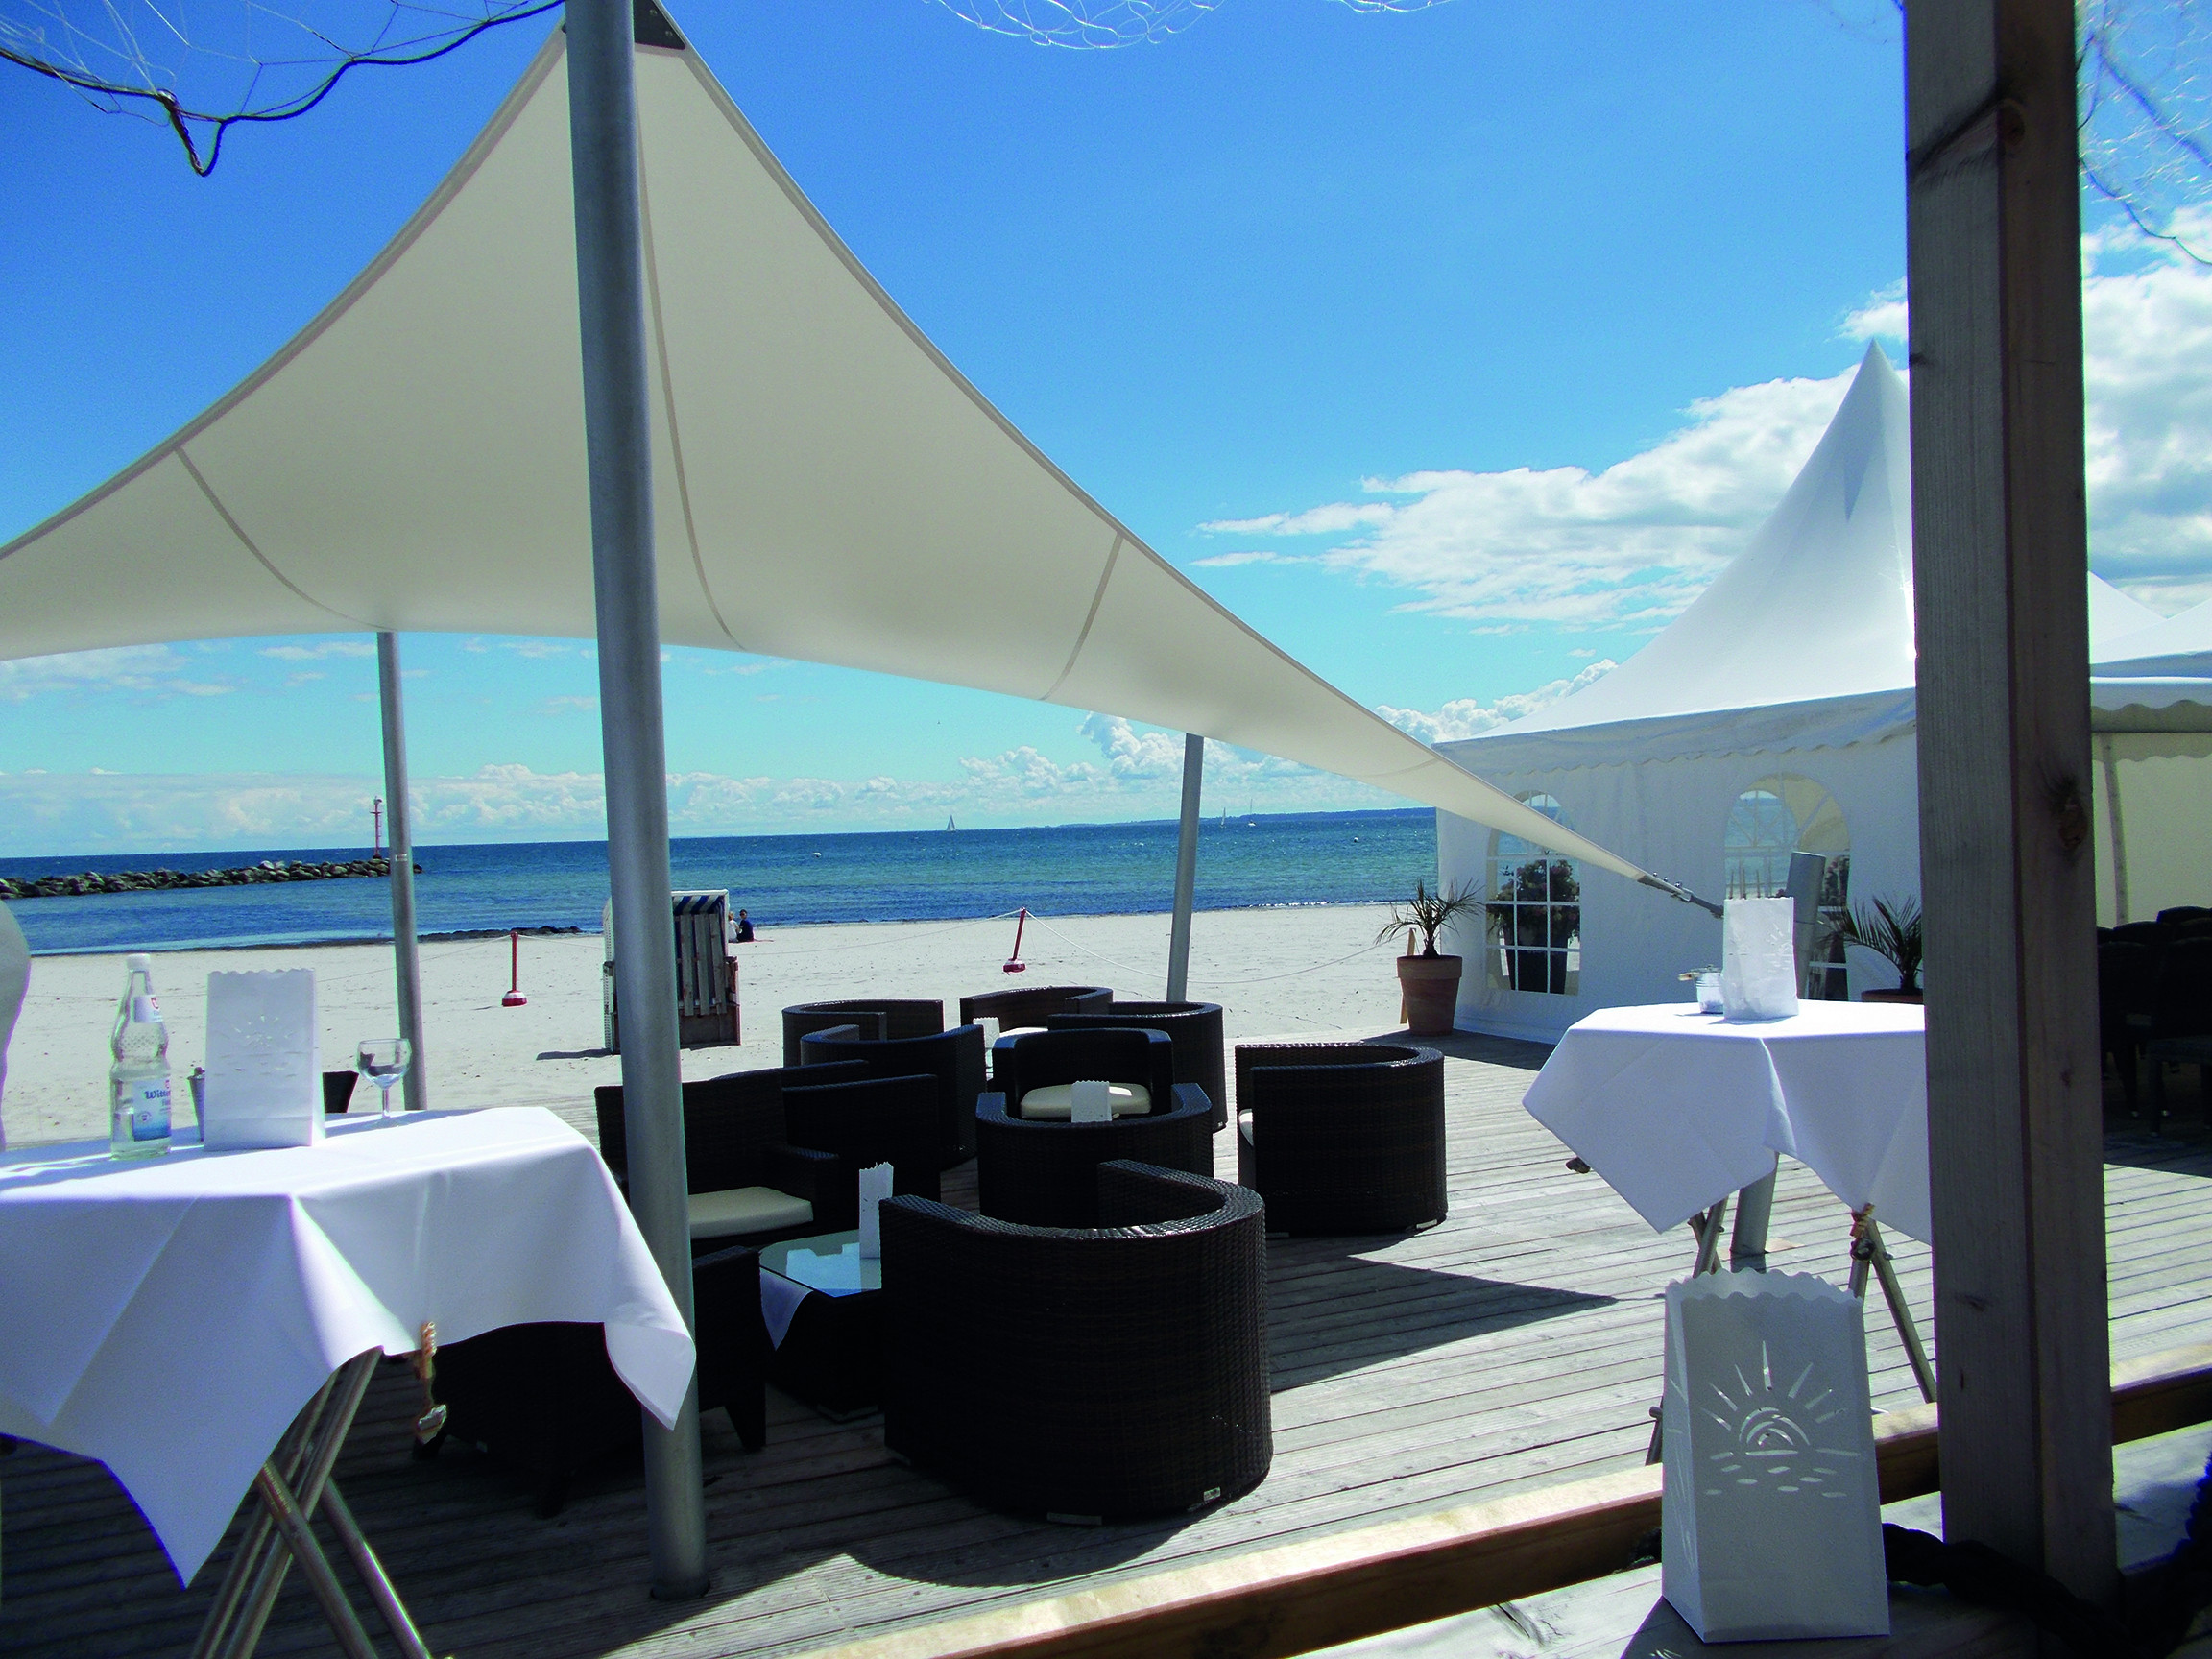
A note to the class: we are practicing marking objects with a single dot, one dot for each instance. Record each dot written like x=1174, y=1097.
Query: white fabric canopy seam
x=247, y=541
x=669, y=387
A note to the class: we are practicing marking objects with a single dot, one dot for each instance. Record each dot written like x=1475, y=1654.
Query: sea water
x=783, y=880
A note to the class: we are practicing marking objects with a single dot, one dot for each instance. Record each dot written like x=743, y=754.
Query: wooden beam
x=2014, y=1099
x=1295, y=1597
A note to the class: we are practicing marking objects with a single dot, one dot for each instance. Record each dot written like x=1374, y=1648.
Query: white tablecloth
x=1676, y=1109
x=171, y=1317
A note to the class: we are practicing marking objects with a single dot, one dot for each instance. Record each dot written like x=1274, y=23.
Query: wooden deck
x=1516, y=1345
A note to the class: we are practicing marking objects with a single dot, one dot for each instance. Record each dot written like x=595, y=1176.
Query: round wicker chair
x=1044, y=1172
x=1342, y=1138
x=900, y=1017
x=1193, y=1027
x=1086, y=1375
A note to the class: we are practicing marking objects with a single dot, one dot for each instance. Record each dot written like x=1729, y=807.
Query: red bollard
x=1014, y=963
x=513, y=997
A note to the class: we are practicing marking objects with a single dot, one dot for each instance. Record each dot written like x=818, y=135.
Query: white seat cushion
x=739, y=1210
x=1051, y=1103
x=1245, y=1126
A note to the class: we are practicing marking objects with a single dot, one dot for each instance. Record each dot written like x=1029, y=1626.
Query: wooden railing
x=1294, y=1598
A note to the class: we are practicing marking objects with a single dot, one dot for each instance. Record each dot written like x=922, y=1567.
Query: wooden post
x=2014, y=1109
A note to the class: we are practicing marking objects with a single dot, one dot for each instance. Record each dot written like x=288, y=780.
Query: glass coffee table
x=831, y=1352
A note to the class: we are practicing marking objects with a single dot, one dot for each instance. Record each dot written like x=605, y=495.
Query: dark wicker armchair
x=545, y=1399
x=954, y=1058
x=735, y=1140
x=1042, y=1173
x=1084, y=1376
x=899, y=1017
x=1033, y=1004
x=1342, y=1138
x=1195, y=1029
x=870, y=1121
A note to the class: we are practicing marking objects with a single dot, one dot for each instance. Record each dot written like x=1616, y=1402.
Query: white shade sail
x=828, y=486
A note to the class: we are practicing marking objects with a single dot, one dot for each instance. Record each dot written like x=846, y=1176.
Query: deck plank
x=1514, y=1346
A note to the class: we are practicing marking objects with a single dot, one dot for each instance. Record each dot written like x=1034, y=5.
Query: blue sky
x=1327, y=308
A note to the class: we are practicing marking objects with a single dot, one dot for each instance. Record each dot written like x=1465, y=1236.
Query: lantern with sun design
x=1771, y=1515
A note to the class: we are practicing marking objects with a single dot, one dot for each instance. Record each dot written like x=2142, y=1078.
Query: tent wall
x=1674, y=816
x=2165, y=822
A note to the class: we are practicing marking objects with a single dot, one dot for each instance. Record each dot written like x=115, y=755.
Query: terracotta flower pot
x=1430, y=985
x=1891, y=996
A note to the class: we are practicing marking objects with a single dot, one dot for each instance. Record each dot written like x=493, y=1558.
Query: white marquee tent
x=1790, y=680
x=827, y=485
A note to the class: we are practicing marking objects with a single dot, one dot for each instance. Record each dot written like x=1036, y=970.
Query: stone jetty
x=160, y=880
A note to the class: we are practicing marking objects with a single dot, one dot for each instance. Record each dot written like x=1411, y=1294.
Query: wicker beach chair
x=546, y=1400
x=954, y=1058
x=1043, y=1171
x=1033, y=1004
x=1195, y=1029
x=1083, y=1375
x=870, y=1121
x=899, y=1017
x=1342, y=1138
x=748, y=1182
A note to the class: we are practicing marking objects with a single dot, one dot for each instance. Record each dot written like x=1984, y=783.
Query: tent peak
x=651, y=27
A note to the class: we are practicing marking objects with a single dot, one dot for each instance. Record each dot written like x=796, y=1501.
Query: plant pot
x=1891, y=996
x=1430, y=985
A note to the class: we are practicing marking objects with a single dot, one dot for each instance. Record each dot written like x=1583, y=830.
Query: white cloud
x=1626, y=547
x=1230, y=561
x=1880, y=317
x=567, y=705
x=320, y=649
x=1465, y=718
x=141, y=669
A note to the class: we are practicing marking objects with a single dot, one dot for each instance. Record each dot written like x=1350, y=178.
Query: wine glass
x=383, y=1061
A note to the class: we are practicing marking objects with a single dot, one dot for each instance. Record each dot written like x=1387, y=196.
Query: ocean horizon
x=1245, y=861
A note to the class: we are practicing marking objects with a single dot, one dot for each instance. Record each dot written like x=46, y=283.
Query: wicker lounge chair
x=1342, y=1138
x=1084, y=1376
x=899, y=1017
x=735, y=1144
x=1194, y=1027
x=1033, y=1004
x=545, y=1399
x=954, y=1058
x=1041, y=1171
x=870, y=1121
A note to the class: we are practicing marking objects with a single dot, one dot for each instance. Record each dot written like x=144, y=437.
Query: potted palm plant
x=1892, y=932
x=1430, y=981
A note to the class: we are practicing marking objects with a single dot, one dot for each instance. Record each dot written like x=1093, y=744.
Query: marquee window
x=1772, y=819
x=1534, y=926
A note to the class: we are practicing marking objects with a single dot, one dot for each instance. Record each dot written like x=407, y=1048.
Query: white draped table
x=1677, y=1109
x=172, y=1317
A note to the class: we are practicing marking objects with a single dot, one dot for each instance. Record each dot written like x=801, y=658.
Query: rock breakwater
x=161, y=881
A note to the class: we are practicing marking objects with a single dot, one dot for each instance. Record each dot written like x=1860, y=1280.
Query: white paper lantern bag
x=264, y=1086
x=875, y=1187
x=1771, y=1512
x=1759, y=959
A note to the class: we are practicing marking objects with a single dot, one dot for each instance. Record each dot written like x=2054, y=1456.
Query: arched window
x=1772, y=819
x=1534, y=931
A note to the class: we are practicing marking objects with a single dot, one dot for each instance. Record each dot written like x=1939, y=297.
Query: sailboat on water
x=947, y=820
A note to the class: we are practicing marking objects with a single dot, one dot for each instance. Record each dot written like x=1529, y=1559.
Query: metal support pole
x=406, y=962
x=1754, y=1210
x=618, y=430
x=1186, y=869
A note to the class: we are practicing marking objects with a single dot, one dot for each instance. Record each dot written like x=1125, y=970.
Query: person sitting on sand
x=744, y=928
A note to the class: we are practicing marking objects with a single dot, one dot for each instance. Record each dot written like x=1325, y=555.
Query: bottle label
x=147, y=1101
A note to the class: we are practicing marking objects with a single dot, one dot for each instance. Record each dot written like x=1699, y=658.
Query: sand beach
x=1309, y=969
